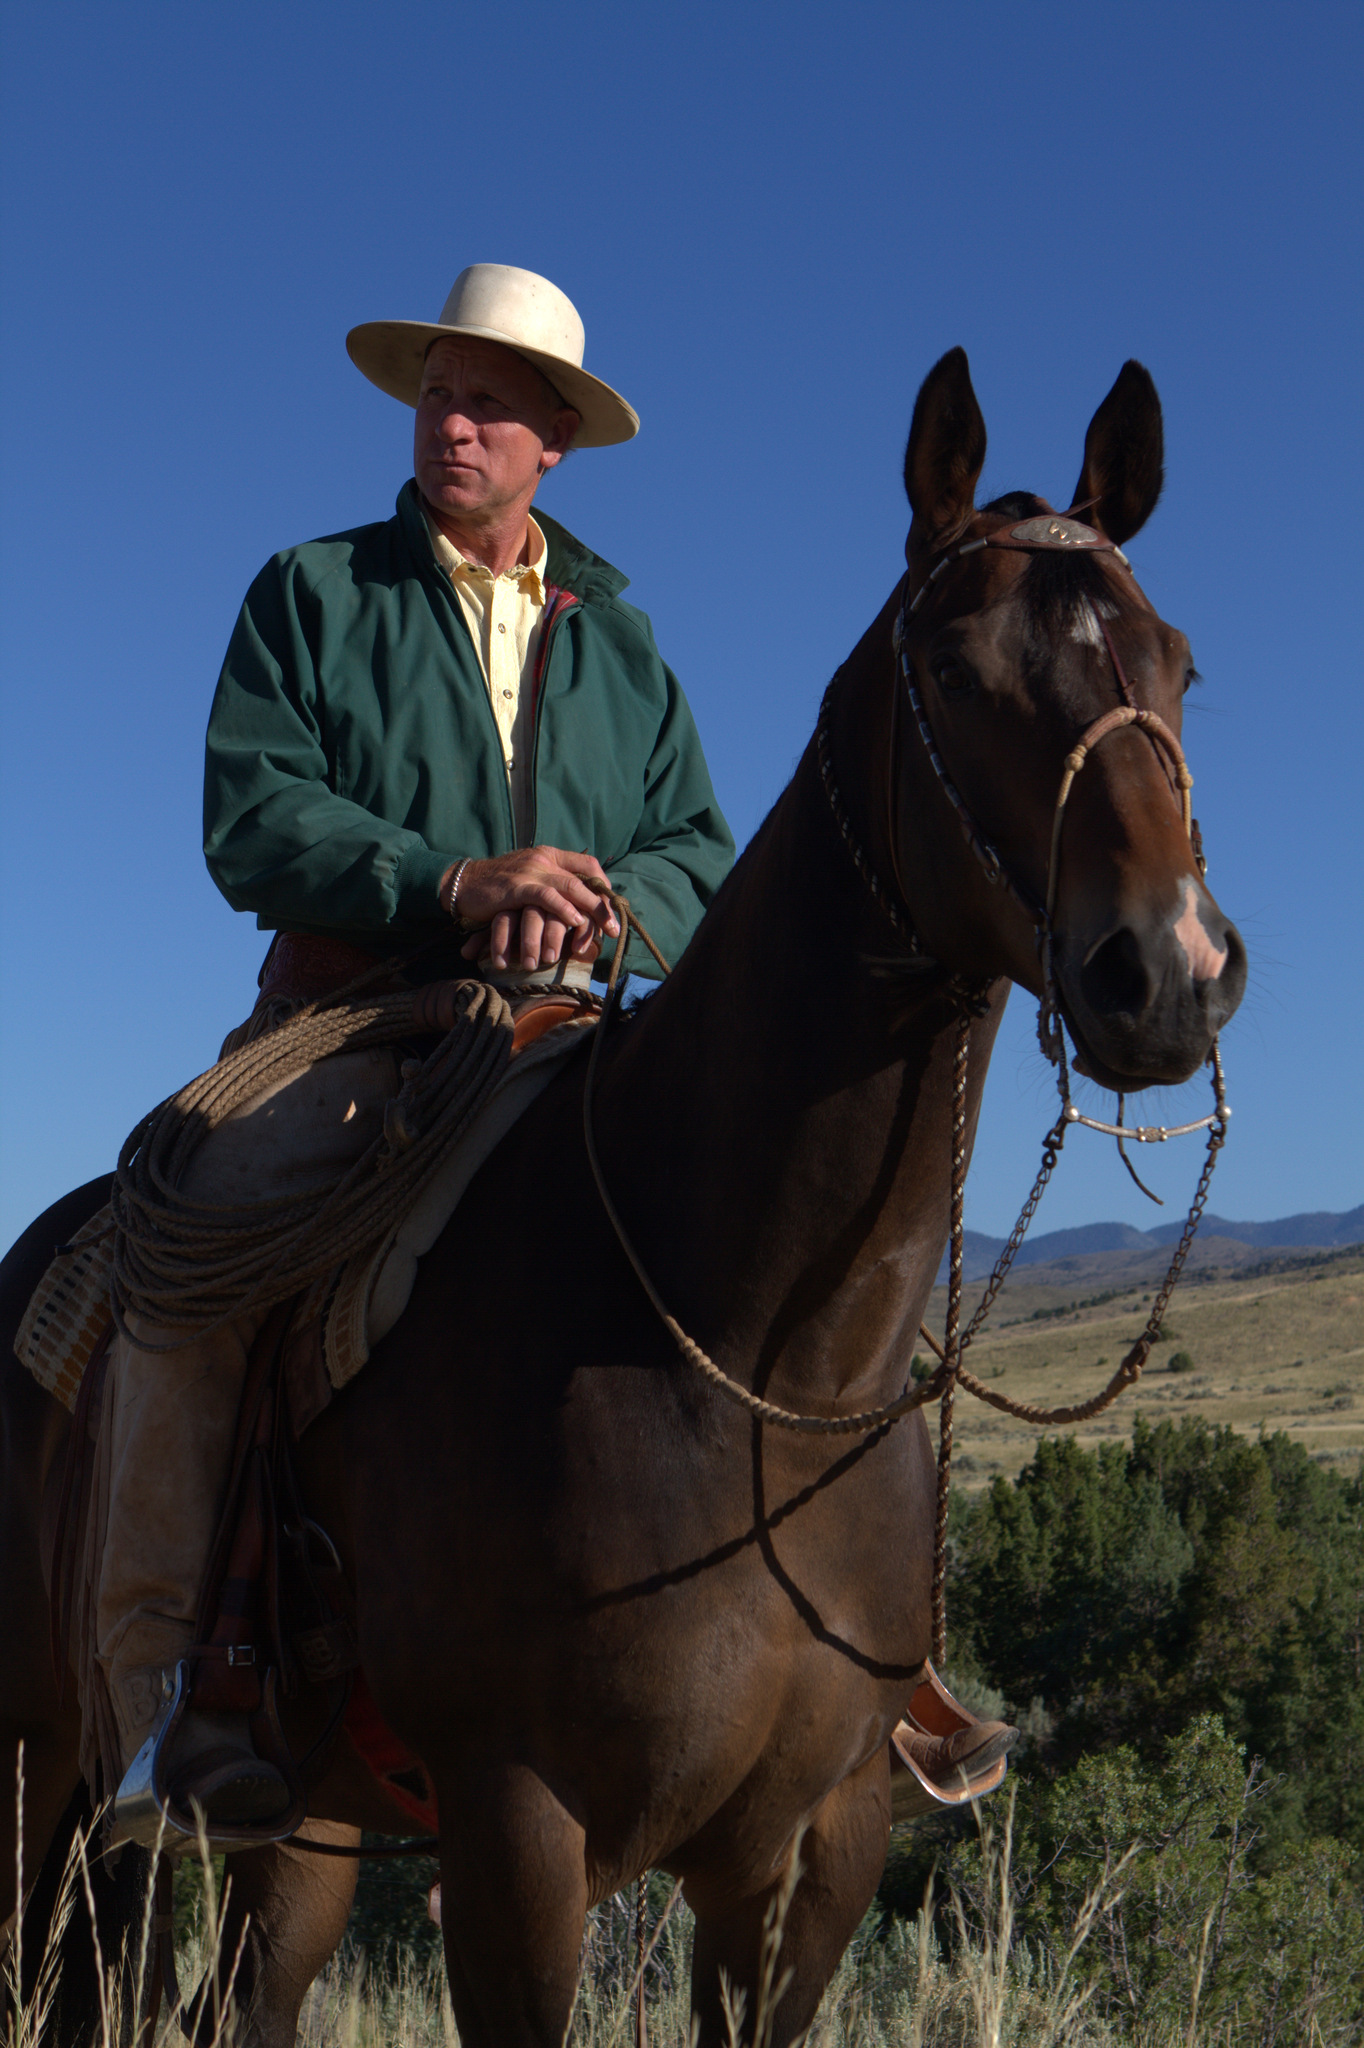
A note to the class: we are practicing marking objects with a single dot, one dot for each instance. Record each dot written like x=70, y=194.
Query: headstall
x=1046, y=533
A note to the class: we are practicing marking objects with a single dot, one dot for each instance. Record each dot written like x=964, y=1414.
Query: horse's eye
x=1191, y=676
x=950, y=676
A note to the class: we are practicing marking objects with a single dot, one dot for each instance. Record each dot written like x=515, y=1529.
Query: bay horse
x=624, y=1624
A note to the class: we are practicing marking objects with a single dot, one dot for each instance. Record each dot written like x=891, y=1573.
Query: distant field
x=1277, y=1344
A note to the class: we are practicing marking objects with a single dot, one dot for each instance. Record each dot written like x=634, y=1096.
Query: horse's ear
x=946, y=451
x=1124, y=465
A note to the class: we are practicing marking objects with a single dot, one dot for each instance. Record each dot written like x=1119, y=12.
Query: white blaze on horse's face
x=1206, y=960
x=1085, y=629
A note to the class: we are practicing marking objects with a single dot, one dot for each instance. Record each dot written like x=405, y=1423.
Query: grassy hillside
x=1274, y=1342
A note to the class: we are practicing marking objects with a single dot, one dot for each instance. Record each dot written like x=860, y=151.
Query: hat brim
x=391, y=353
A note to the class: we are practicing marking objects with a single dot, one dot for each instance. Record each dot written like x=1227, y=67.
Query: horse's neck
x=775, y=1126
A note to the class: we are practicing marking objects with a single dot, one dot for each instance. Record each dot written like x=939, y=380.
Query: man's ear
x=560, y=442
x=1124, y=464
x=946, y=452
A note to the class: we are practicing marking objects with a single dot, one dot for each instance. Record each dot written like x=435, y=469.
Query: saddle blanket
x=361, y=1301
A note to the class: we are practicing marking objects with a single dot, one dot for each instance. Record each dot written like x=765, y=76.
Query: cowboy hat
x=495, y=302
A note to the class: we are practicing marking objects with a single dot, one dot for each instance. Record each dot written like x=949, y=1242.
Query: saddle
x=275, y=1613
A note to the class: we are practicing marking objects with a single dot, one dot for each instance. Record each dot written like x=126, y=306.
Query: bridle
x=1059, y=533
x=1046, y=533
x=1051, y=532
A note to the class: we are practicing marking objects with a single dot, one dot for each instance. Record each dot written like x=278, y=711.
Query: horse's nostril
x=1114, y=978
x=1234, y=973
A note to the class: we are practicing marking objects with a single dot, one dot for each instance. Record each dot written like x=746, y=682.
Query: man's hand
x=531, y=901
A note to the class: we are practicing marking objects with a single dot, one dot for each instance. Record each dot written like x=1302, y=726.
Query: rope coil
x=192, y=1266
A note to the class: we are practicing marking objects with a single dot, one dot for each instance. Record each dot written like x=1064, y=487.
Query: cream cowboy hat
x=522, y=311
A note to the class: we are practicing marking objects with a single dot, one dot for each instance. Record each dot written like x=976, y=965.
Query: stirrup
x=145, y=1813
x=933, y=1711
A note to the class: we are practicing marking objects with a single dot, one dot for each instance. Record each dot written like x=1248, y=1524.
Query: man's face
x=487, y=429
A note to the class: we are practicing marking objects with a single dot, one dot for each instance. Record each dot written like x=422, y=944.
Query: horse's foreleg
x=513, y=1905
x=294, y=1908
x=842, y=1855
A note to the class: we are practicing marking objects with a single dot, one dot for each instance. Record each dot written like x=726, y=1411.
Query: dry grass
x=1282, y=1351
x=895, y=1989
x=124, y=1980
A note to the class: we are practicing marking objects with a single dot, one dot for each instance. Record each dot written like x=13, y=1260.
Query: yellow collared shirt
x=503, y=614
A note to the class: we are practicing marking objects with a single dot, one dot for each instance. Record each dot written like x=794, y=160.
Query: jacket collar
x=570, y=565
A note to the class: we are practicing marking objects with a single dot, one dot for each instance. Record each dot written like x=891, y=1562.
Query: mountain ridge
x=1315, y=1228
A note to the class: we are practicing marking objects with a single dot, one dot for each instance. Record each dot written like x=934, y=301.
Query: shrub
x=1180, y=1361
x=1196, y=1573
x=1136, y=1880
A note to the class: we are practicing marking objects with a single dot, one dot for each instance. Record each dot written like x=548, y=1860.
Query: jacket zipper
x=561, y=602
x=436, y=577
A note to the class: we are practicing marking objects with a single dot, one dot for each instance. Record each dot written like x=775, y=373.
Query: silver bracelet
x=454, y=887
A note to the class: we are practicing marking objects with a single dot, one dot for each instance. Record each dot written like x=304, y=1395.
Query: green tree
x=1129, y=1591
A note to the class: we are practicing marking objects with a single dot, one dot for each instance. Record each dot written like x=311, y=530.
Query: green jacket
x=352, y=753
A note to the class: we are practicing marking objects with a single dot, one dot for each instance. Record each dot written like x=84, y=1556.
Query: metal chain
x=1131, y=1367
x=1051, y=1152
x=1217, y=1138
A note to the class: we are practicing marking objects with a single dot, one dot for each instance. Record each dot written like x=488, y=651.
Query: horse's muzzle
x=1145, y=999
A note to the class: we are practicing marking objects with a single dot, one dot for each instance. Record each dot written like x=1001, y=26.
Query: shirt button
x=506, y=693
x=501, y=628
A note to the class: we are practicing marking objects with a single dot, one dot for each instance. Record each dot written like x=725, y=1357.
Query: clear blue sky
x=773, y=219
